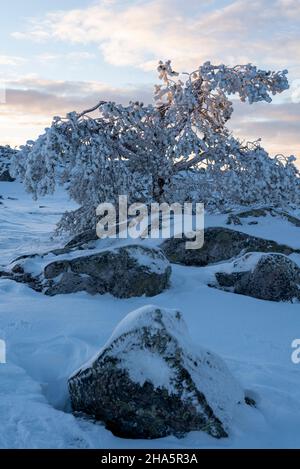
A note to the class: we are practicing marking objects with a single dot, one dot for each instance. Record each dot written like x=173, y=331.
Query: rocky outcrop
x=272, y=277
x=124, y=272
x=149, y=381
x=219, y=244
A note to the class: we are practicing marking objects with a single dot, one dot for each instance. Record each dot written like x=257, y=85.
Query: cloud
x=35, y=34
x=295, y=91
x=277, y=124
x=73, y=57
x=51, y=97
x=290, y=8
x=141, y=32
x=31, y=103
x=11, y=60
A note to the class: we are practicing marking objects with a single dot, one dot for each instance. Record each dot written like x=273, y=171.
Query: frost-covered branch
x=92, y=109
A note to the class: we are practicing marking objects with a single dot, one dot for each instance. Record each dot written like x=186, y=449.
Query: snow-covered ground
x=49, y=337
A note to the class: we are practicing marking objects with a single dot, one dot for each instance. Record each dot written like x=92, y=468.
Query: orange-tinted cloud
x=31, y=104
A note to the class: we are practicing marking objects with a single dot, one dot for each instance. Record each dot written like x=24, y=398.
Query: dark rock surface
x=275, y=277
x=124, y=272
x=6, y=177
x=219, y=244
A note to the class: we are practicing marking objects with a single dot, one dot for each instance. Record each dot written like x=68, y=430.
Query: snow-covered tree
x=176, y=150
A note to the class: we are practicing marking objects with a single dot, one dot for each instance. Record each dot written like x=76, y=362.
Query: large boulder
x=149, y=381
x=126, y=271
x=219, y=244
x=272, y=277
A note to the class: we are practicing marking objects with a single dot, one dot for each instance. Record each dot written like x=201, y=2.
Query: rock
x=82, y=239
x=219, y=244
x=19, y=276
x=236, y=219
x=18, y=269
x=127, y=271
x=233, y=220
x=272, y=277
x=291, y=219
x=149, y=381
x=79, y=242
x=6, y=155
x=6, y=177
x=55, y=252
x=56, y=268
x=73, y=283
x=256, y=212
x=228, y=280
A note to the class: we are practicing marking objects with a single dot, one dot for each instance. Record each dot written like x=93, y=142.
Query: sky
x=58, y=56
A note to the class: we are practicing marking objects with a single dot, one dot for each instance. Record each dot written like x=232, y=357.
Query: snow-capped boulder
x=272, y=277
x=219, y=244
x=126, y=271
x=150, y=381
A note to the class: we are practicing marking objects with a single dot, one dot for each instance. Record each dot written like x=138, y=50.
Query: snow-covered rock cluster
x=242, y=263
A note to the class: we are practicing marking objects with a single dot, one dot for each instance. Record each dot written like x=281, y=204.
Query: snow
x=145, y=317
x=144, y=366
x=268, y=227
x=153, y=265
x=25, y=224
x=245, y=263
x=137, y=319
x=48, y=338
